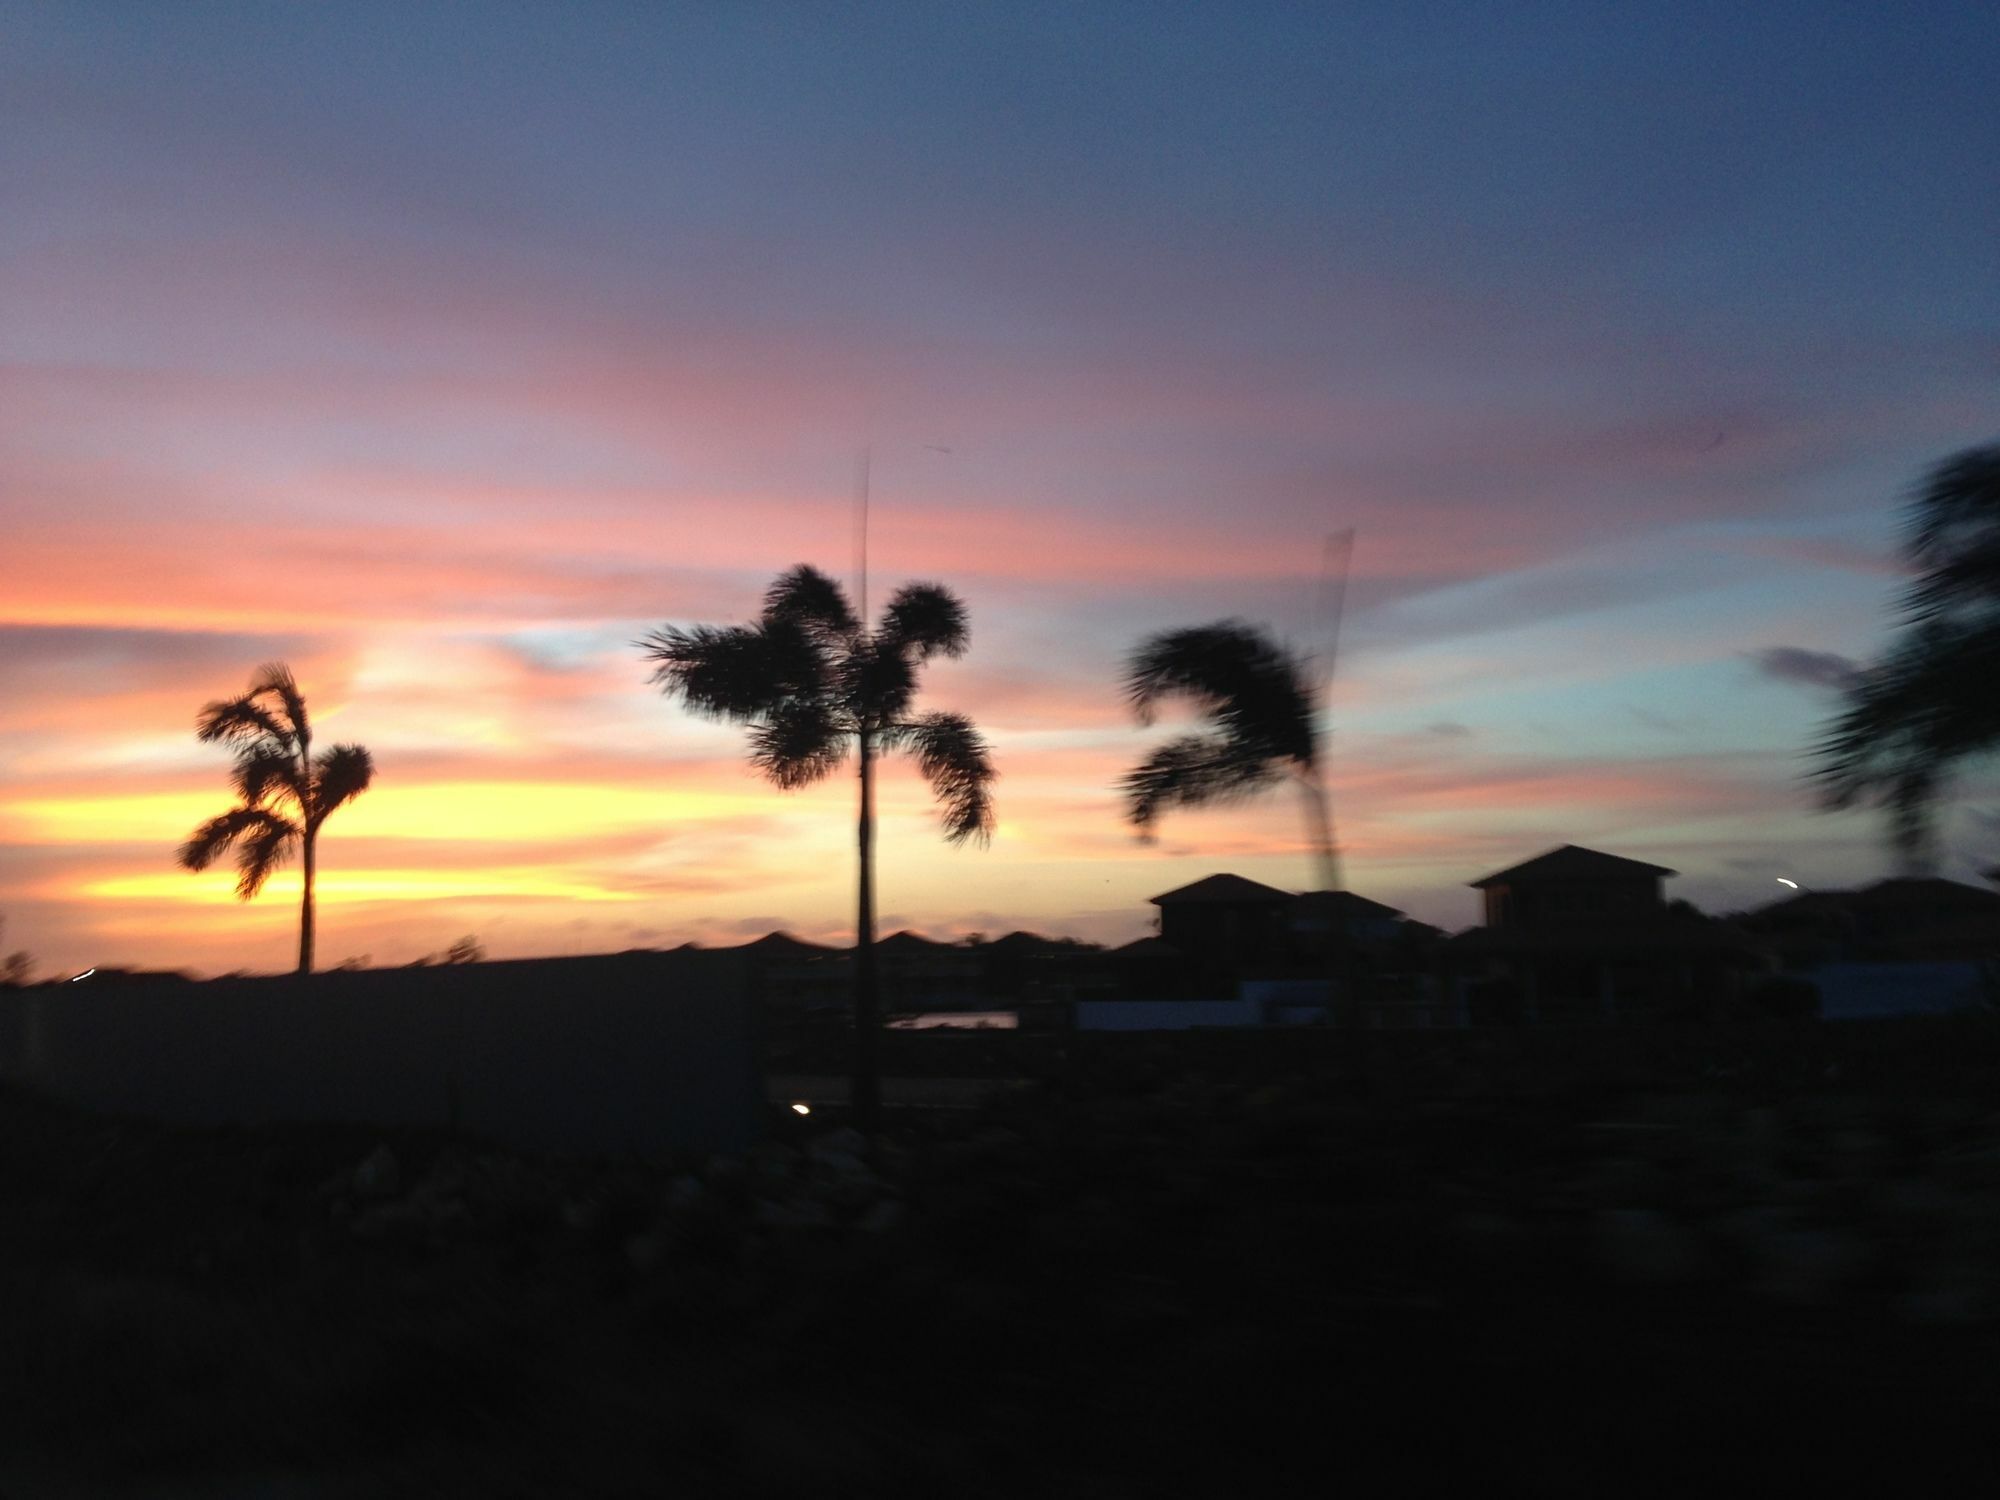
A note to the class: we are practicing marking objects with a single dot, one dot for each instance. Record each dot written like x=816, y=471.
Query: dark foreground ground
x=1205, y=1266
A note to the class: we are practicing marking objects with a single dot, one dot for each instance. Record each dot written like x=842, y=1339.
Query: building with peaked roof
x=1222, y=932
x=1568, y=884
x=1577, y=934
x=1901, y=920
x=1224, y=922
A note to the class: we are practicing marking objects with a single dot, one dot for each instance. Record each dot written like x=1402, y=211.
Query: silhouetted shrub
x=1784, y=998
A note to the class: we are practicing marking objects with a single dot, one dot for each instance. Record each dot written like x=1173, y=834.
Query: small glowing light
x=1792, y=883
x=802, y=1109
x=84, y=975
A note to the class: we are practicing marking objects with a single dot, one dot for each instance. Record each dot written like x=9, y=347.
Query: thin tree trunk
x=308, y=832
x=867, y=1091
x=306, y=906
x=1319, y=827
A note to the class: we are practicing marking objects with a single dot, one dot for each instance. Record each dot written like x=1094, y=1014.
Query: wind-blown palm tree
x=287, y=792
x=1260, y=705
x=810, y=680
x=1930, y=702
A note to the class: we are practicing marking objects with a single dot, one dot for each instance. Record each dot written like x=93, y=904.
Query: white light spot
x=1792, y=883
x=84, y=975
x=802, y=1109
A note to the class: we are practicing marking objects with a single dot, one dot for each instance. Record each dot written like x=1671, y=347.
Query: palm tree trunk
x=867, y=1091
x=306, y=905
x=1319, y=827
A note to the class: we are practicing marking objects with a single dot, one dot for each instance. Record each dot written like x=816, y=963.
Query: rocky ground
x=1172, y=1269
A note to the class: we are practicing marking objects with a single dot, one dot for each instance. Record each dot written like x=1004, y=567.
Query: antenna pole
x=861, y=480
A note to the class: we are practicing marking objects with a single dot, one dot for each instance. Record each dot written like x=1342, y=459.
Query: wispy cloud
x=1809, y=668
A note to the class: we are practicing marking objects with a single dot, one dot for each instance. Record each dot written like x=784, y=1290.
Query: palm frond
x=263, y=767
x=798, y=743
x=339, y=776
x=275, y=678
x=258, y=853
x=1953, y=535
x=925, y=620
x=1253, y=691
x=1192, y=771
x=239, y=719
x=726, y=672
x=806, y=596
x=957, y=762
x=213, y=839
x=877, y=682
x=1907, y=719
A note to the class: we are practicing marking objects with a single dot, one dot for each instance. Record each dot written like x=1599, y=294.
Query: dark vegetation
x=1552, y=1263
x=285, y=791
x=812, y=680
x=1928, y=705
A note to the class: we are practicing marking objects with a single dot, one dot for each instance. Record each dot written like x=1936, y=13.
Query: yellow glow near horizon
x=458, y=811
x=351, y=887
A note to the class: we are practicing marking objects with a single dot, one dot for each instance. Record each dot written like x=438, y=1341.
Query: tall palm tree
x=1930, y=702
x=1260, y=705
x=811, y=680
x=287, y=792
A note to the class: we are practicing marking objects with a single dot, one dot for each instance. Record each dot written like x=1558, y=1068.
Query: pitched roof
x=782, y=945
x=1901, y=897
x=1147, y=947
x=1024, y=942
x=1903, y=889
x=1346, y=904
x=1571, y=862
x=907, y=941
x=1230, y=890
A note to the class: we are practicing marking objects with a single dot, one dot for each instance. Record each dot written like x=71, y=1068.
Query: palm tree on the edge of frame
x=812, y=681
x=285, y=791
x=1930, y=702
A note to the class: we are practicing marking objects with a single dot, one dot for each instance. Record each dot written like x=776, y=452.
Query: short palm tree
x=810, y=680
x=1930, y=702
x=287, y=792
x=1261, y=708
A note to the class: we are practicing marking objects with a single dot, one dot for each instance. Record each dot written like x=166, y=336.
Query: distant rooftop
x=1232, y=890
x=781, y=945
x=1347, y=905
x=1571, y=862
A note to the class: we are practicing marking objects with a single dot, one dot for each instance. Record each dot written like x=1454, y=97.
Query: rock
x=837, y=1166
x=885, y=1215
x=645, y=1251
x=1918, y=1198
x=378, y=1176
x=844, y=1142
x=1644, y=1246
x=1809, y=1266
x=1763, y=1135
x=770, y=1164
x=1948, y=1294
x=791, y=1214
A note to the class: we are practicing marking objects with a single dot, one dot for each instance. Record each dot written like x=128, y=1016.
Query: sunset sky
x=442, y=351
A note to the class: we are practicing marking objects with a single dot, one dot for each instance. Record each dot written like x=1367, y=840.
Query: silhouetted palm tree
x=287, y=791
x=810, y=680
x=1931, y=701
x=1259, y=702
